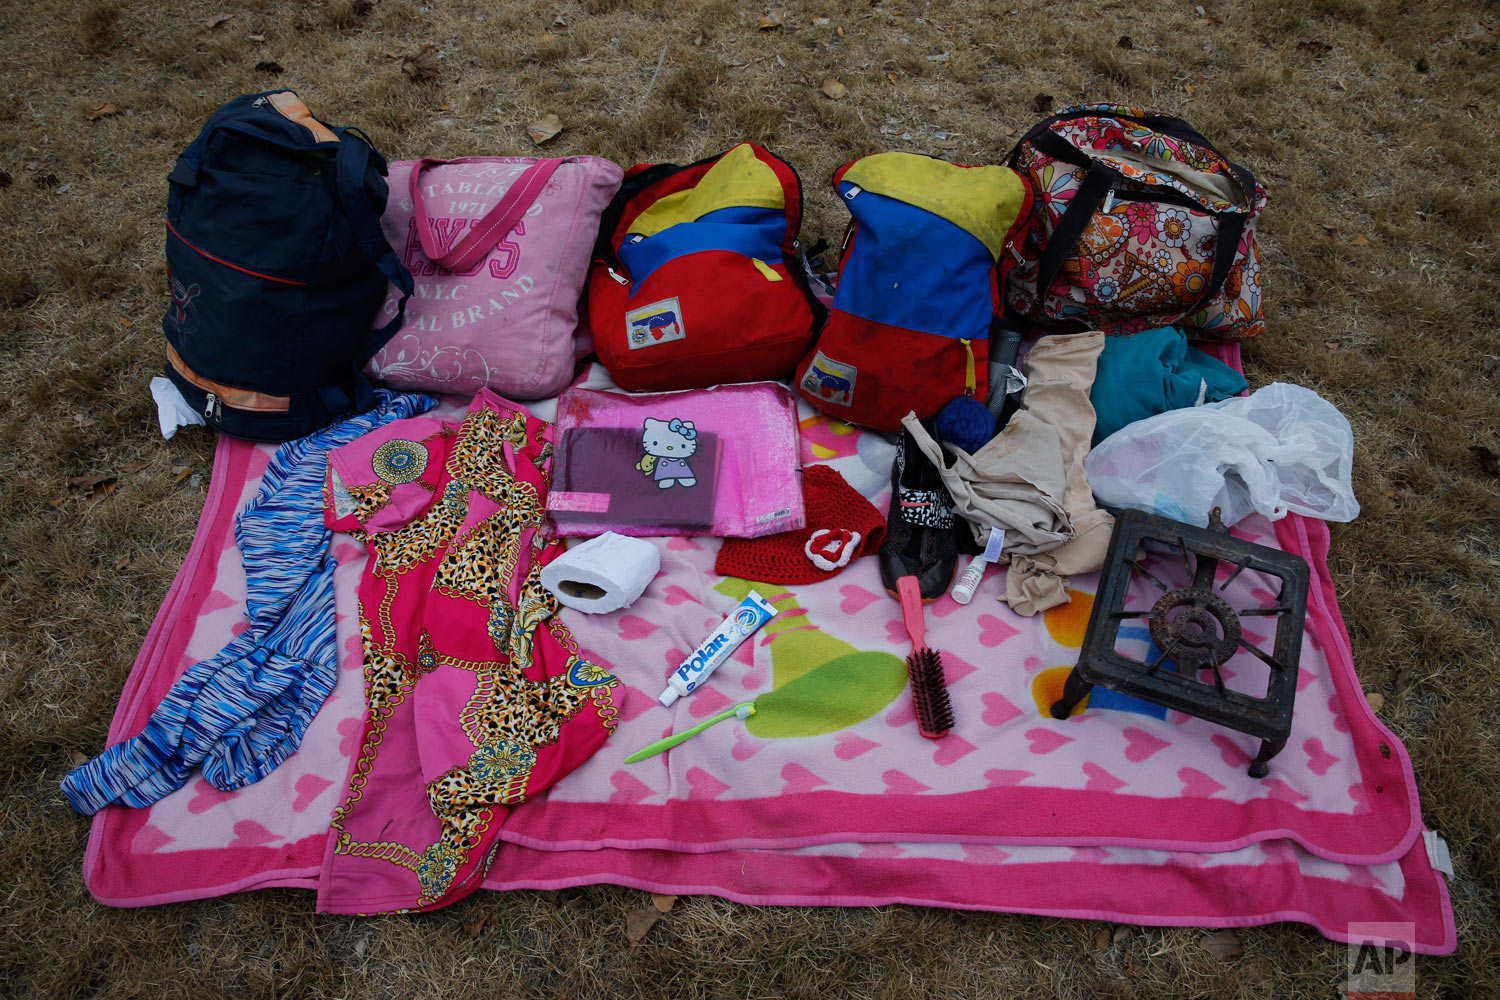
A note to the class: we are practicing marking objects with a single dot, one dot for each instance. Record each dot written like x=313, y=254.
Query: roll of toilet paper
x=603, y=574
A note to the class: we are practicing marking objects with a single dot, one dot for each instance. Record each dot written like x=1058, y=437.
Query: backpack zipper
x=971, y=384
x=217, y=395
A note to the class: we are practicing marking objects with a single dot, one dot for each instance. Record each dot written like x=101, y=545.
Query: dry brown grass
x=1382, y=242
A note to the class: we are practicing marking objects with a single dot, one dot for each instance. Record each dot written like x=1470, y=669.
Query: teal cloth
x=1152, y=372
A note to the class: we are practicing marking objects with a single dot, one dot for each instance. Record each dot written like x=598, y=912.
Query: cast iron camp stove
x=1194, y=628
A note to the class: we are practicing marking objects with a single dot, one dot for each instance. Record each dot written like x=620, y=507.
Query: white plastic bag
x=1283, y=449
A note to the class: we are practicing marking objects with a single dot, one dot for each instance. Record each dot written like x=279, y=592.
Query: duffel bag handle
x=1089, y=198
x=1080, y=211
x=490, y=230
x=1176, y=128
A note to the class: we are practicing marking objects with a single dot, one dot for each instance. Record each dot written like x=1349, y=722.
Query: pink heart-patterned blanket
x=1120, y=812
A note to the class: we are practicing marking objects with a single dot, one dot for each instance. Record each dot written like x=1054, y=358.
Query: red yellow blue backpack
x=923, y=262
x=697, y=277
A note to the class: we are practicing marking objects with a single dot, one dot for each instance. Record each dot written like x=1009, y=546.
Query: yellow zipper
x=765, y=269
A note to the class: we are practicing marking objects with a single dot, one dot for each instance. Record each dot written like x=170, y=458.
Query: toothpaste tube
x=753, y=612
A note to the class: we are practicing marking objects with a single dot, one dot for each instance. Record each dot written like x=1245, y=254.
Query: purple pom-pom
x=966, y=422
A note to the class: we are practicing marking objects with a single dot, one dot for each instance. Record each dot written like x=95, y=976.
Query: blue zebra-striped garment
x=243, y=711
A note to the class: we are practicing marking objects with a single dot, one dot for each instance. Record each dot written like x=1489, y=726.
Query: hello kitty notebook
x=721, y=461
x=599, y=482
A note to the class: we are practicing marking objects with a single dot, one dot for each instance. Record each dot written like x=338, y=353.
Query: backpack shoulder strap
x=354, y=159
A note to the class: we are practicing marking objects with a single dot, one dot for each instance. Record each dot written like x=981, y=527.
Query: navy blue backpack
x=277, y=265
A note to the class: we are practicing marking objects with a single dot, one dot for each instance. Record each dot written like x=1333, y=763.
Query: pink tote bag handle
x=491, y=229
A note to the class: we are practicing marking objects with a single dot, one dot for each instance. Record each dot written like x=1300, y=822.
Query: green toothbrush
x=652, y=749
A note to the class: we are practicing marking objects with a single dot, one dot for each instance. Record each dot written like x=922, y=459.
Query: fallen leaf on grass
x=102, y=491
x=1189, y=89
x=474, y=928
x=544, y=129
x=269, y=66
x=1121, y=934
x=122, y=562
x=217, y=20
x=1132, y=967
x=638, y=922
x=130, y=467
x=559, y=22
x=104, y=110
x=662, y=902
x=181, y=472
x=1360, y=241
x=422, y=67
x=1375, y=700
x=550, y=36
x=772, y=19
x=88, y=482
x=891, y=77
x=1043, y=103
x=1315, y=49
x=1488, y=460
x=839, y=31
x=1101, y=939
x=1224, y=945
x=77, y=758
x=834, y=89
x=1010, y=131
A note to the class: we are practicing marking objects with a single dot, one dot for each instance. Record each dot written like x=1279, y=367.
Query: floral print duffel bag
x=1138, y=222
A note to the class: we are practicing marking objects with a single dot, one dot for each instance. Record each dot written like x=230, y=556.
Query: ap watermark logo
x=1382, y=965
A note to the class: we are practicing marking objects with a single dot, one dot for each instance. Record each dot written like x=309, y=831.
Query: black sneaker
x=919, y=539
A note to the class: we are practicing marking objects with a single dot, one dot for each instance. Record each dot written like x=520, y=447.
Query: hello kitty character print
x=668, y=444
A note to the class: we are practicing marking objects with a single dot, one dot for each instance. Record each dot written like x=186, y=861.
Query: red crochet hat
x=841, y=527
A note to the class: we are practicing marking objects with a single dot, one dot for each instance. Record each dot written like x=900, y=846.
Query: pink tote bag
x=498, y=249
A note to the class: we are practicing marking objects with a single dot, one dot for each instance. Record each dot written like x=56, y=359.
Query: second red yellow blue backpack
x=923, y=263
